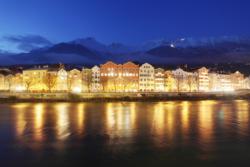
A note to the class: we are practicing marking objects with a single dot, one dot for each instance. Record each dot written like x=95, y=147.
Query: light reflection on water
x=129, y=126
x=123, y=120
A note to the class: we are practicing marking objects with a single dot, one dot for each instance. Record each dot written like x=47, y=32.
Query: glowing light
x=20, y=120
x=205, y=118
x=38, y=124
x=185, y=107
x=62, y=121
x=76, y=90
x=19, y=88
x=120, y=119
x=80, y=117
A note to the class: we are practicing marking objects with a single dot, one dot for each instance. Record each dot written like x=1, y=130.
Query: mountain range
x=180, y=51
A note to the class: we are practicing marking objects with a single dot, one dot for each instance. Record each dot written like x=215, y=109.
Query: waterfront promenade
x=113, y=96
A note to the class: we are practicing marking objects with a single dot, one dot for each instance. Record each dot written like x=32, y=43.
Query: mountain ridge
x=183, y=50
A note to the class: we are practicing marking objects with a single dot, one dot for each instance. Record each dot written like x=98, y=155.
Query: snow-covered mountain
x=93, y=44
x=182, y=50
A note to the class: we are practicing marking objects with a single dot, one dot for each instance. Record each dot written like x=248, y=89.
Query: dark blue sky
x=127, y=21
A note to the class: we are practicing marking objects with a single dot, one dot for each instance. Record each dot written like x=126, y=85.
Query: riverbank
x=106, y=97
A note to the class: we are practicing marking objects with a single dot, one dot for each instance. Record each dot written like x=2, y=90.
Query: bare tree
x=129, y=84
x=50, y=81
x=179, y=82
x=28, y=82
x=69, y=83
x=190, y=82
x=9, y=82
x=104, y=83
x=87, y=79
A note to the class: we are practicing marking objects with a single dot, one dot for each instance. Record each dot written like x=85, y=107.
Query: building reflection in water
x=19, y=111
x=159, y=124
x=159, y=120
x=80, y=117
x=62, y=123
x=242, y=111
x=170, y=119
x=206, y=122
x=38, y=124
x=168, y=123
x=120, y=119
x=163, y=116
x=185, y=110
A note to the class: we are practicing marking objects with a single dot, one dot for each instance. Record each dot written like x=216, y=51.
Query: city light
x=127, y=77
x=76, y=90
x=20, y=88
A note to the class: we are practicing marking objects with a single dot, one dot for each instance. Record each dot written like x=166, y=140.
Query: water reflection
x=120, y=119
x=185, y=110
x=62, y=123
x=38, y=121
x=80, y=113
x=161, y=123
x=205, y=116
x=20, y=118
x=242, y=116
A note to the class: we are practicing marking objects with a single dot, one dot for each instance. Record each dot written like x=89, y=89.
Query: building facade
x=170, y=84
x=86, y=80
x=159, y=80
x=33, y=79
x=62, y=81
x=75, y=81
x=203, y=79
x=181, y=77
x=119, y=77
x=127, y=77
x=96, y=85
x=146, y=78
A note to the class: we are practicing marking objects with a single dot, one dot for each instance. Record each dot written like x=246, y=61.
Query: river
x=171, y=133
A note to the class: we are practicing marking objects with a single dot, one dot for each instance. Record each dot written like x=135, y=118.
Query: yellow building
x=2, y=82
x=8, y=82
x=86, y=79
x=17, y=84
x=170, y=85
x=159, y=80
x=75, y=81
x=33, y=79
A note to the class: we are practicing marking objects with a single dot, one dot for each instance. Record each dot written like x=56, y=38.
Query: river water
x=171, y=133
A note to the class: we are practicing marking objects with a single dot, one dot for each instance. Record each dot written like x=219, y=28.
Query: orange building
x=119, y=77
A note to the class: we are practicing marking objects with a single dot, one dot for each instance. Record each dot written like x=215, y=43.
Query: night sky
x=126, y=21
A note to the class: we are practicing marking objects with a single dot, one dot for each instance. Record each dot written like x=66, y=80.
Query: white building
x=203, y=79
x=95, y=80
x=146, y=78
x=246, y=83
x=220, y=82
x=180, y=76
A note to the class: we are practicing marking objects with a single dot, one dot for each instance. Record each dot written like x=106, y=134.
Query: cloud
x=27, y=42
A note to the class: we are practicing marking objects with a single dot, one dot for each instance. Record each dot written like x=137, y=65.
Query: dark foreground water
x=173, y=133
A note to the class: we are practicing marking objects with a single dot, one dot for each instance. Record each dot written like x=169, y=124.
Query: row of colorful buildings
x=127, y=77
